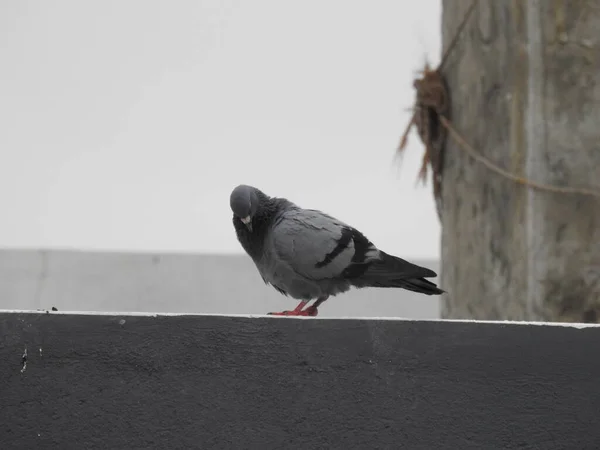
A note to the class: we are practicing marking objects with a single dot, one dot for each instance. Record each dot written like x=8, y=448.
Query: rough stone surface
x=524, y=79
x=135, y=382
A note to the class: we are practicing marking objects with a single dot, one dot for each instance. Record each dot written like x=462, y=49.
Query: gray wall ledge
x=170, y=381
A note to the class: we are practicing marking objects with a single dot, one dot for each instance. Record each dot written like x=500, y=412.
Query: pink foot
x=310, y=311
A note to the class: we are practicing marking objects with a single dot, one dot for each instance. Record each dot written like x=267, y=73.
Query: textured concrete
x=182, y=382
x=512, y=252
x=207, y=284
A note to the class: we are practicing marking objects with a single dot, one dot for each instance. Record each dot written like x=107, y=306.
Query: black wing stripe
x=342, y=244
x=361, y=246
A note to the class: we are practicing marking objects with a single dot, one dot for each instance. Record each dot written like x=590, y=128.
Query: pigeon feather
x=308, y=254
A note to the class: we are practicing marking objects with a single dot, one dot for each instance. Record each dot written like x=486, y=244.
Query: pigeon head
x=244, y=203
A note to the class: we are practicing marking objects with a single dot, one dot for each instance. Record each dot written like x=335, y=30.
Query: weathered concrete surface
x=524, y=79
x=184, y=283
x=127, y=382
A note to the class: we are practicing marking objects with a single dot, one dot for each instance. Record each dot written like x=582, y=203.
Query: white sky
x=126, y=123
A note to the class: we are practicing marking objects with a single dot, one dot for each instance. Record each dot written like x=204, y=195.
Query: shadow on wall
x=178, y=283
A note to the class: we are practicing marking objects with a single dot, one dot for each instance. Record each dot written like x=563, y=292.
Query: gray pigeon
x=309, y=255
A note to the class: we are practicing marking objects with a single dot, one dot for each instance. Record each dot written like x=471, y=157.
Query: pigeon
x=308, y=255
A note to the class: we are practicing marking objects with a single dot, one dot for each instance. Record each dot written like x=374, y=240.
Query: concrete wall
x=131, y=382
x=226, y=284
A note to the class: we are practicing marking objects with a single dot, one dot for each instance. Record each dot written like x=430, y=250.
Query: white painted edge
x=262, y=316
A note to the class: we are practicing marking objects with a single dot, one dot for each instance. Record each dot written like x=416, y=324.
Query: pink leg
x=298, y=311
x=311, y=311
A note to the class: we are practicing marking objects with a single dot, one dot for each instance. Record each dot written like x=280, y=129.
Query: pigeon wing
x=315, y=245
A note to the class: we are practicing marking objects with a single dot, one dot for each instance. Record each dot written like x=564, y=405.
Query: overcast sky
x=126, y=123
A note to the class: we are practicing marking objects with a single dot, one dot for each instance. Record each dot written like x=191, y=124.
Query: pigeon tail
x=393, y=272
x=419, y=285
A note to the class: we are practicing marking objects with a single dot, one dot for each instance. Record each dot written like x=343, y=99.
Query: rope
x=464, y=145
x=458, y=33
x=433, y=96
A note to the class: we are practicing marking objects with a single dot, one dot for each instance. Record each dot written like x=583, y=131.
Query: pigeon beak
x=248, y=222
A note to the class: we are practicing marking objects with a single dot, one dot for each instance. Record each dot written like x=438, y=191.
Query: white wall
x=101, y=281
